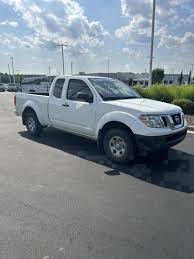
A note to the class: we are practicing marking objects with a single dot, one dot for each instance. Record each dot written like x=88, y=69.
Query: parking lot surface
x=61, y=198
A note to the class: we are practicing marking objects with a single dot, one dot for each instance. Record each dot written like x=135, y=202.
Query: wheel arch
x=109, y=125
x=26, y=110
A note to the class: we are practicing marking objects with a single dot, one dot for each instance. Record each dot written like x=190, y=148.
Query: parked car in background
x=12, y=87
x=107, y=111
x=2, y=87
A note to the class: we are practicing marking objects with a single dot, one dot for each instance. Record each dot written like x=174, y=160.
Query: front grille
x=172, y=121
x=176, y=119
x=165, y=121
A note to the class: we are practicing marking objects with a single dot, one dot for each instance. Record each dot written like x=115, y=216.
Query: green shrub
x=142, y=91
x=161, y=93
x=186, y=92
x=167, y=93
x=185, y=104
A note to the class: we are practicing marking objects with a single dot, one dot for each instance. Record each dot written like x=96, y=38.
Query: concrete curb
x=191, y=128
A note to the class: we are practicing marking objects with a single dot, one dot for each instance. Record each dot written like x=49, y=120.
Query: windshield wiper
x=130, y=97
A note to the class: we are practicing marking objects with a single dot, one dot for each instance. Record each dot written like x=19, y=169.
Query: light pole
x=13, y=70
x=71, y=68
x=108, y=66
x=9, y=74
x=49, y=74
x=62, y=52
x=152, y=42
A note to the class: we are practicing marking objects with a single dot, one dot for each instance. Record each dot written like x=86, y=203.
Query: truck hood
x=147, y=106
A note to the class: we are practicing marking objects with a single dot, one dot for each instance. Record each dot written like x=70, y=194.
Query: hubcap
x=31, y=124
x=117, y=146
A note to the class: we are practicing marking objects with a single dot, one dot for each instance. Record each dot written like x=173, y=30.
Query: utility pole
x=13, y=70
x=9, y=74
x=62, y=52
x=71, y=68
x=108, y=66
x=49, y=74
x=152, y=42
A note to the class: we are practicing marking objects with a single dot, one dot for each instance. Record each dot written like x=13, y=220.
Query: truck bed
x=38, y=102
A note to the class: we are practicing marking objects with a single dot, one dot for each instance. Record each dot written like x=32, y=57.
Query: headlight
x=152, y=121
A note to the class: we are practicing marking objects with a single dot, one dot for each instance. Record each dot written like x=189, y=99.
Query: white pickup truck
x=107, y=111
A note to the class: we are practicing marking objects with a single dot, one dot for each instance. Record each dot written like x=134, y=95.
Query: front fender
x=116, y=116
x=35, y=107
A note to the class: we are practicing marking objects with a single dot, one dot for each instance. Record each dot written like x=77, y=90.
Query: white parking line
x=190, y=132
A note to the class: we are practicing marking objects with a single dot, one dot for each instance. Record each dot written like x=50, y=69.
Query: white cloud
x=15, y=42
x=135, y=7
x=169, y=15
x=60, y=21
x=138, y=30
x=175, y=41
x=9, y=23
x=8, y=54
x=164, y=8
x=132, y=52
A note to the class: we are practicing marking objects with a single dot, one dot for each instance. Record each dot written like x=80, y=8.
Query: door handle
x=65, y=105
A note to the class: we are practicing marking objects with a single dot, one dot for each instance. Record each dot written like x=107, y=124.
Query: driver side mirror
x=84, y=97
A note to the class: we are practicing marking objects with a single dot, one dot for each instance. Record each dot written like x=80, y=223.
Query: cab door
x=55, y=103
x=78, y=115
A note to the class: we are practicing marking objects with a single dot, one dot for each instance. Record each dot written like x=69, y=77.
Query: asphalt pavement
x=61, y=198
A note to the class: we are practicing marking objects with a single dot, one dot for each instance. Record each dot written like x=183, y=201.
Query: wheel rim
x=31, y=124
x=117, y=146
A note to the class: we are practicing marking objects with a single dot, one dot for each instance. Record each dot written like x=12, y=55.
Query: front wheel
x=32, y=124
x=119, y=145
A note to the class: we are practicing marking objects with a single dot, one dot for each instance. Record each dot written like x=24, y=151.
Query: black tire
x=126, y=150
x=32, y=124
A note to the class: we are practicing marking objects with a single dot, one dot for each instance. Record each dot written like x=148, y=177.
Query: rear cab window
x=58, y=88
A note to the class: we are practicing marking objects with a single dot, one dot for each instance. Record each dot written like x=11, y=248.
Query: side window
x=75, y=86
x=58, y=88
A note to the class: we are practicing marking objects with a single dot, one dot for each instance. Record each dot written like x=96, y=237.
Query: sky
x=95, y=31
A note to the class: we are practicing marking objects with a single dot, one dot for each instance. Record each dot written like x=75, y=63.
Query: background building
x=141, y=79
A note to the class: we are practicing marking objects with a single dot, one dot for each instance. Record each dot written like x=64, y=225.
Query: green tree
x=180, y=80
x=4, y=78
x=130, y=81
x=157, y=75
x=189, y=79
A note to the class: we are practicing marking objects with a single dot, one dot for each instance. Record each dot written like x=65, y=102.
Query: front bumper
x=156, y=143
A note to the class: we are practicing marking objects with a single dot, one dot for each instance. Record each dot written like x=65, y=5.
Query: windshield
x=111, y=89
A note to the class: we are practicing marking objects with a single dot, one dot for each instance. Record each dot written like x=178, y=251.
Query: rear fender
x=35, y=107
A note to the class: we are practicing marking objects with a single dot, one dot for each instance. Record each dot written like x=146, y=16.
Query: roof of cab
x=80, y=76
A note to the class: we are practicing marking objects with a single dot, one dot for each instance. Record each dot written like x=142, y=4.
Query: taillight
x=14, y=99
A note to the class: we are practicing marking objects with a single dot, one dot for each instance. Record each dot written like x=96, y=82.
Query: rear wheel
x=32, y=124
x=119, y=145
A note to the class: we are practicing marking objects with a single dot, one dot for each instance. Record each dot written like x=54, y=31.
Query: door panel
x=55, y=104
x=78, y=115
